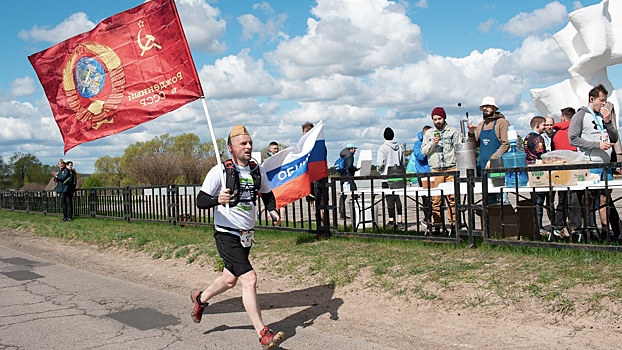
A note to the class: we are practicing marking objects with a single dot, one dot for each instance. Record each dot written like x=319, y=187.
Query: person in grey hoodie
x=390, y=153
x=592, y=131
x=439, y=144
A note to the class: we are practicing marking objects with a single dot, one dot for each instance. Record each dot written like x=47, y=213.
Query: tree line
x=164, y=160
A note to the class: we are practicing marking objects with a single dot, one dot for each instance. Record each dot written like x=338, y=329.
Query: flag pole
x=216, y=151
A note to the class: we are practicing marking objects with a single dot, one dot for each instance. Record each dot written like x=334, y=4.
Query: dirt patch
x=460, y=318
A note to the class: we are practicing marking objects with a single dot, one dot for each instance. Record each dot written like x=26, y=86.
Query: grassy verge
x=566, y=281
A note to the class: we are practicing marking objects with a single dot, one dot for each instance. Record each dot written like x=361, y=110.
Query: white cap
x=488, y=101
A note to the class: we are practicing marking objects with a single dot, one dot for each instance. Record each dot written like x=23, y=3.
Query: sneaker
x=64, y=219
x=197, y=310
x=557, y=233
x=594, y=235
x=269, y=339
x=544, y=233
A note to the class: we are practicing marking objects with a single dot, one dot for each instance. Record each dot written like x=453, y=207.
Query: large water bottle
x=514, y=159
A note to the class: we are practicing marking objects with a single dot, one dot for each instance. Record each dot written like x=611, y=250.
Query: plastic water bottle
x=514, y=159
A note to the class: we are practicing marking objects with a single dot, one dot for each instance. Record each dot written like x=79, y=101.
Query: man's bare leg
x=221, y=284
x=250, y=301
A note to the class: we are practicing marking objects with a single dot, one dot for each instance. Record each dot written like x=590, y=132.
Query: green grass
x=563, y=281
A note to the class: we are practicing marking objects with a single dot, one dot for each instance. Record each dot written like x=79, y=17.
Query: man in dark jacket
x=348, y=159
x=561, y=142
x=72, y=181
x=62, y=177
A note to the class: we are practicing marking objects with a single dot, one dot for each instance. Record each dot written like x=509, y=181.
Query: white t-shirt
x=242, y=216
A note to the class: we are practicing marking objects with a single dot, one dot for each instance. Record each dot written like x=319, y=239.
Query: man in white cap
x=233, y=228
x=490, y=135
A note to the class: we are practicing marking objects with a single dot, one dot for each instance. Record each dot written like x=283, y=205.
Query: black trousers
x=342, y=198
x=66, y=203
x=393, y=202
x=568, y=205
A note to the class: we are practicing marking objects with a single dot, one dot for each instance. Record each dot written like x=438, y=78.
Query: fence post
x=93, y=202
x=485, y=219
x=173, y=205
x=471, y=205
x=127, y=204
x=321, y=208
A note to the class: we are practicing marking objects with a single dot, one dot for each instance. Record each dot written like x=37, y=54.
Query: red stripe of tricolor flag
x=131, y=68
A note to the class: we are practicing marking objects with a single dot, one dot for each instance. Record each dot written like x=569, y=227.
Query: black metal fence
x=466, y=209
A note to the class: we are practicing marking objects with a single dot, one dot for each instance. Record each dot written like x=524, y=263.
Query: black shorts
x=234, y=255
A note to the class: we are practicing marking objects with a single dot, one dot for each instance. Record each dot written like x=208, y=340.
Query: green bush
x=91, y=182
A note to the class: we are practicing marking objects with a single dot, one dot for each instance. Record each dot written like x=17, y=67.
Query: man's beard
x=489, y=114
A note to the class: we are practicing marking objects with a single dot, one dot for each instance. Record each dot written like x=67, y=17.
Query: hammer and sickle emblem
x=149, y=44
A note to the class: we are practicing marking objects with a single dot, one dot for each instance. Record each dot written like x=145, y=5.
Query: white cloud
x=540, y=59
x=351, y=38
x=334, y=89
x=23, y=123
x=422, y=4
x=22, y=86
x=202, y=25
x=237, y=76
x=252, y=26
x=264, y=6
x=525, y=23
x=75, y=24
x=484, y=27
x=576, y=5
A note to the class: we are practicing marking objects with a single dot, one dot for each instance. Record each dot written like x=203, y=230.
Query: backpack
x=232, y=181
x=340, y=166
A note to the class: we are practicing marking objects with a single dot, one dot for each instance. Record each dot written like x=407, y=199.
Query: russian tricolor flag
x=292, y=170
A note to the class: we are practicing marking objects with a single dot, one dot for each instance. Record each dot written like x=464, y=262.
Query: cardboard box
x=558, y=177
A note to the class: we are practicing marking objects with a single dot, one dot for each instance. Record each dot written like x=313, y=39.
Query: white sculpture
x=592, y=40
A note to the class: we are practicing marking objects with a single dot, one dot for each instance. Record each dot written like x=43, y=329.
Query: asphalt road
x=45, y=305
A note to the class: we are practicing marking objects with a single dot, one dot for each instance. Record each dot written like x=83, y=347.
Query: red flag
x=131, y=68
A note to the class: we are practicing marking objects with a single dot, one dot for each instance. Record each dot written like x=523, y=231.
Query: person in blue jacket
x=421, y=164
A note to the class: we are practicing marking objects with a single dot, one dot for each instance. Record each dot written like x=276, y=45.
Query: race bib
x=247, y=238
x=604, y=137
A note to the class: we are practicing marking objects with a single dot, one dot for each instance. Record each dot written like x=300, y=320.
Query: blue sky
x=358, y=65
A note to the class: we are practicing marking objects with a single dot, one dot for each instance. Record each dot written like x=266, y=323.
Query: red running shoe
x=197, y=310
x=269, y=339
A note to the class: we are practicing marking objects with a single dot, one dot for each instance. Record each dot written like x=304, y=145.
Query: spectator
x=73, y=182
x=548, y=133
x=560, y=141
x=534, y=149
x=439, y=145
x=491, y=136
x=421, y=163
x=316, y=198
x=62, y=177
x=348, y=157
x=391, y=153
x=273, y=149
x=592, y=131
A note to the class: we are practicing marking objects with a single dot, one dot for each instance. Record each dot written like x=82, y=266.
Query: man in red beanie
x=439, y=145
